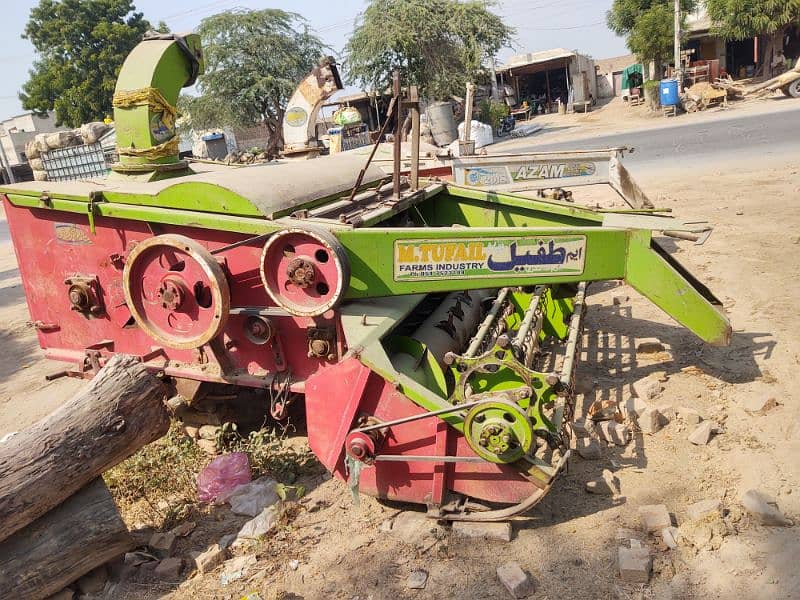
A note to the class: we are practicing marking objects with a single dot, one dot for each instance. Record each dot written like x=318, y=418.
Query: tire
x=793, y=89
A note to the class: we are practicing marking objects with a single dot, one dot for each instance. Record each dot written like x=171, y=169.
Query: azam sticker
x=296, y=117
x=489, y=258
x=160, y=131
x=554, y=171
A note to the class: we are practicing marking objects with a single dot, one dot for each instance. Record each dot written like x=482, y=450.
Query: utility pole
x=678, y=69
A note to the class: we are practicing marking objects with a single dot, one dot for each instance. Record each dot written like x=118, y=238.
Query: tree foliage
x=743, y=19
x=438, y=45
x=254, y=61
x=81, y=45
x=648, y=26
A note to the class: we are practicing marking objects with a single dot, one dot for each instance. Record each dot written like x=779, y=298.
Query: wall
x=19, y=130
x=605, y=85
x=582, y=70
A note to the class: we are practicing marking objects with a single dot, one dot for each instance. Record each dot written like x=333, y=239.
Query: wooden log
x=777, y=82
x=118, y=413
x=77, y=536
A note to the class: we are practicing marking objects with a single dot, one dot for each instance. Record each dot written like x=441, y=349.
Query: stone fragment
x=655, y=517
x=581, y=428
x=294, y=564
x=413, y=527
x=588, y=449
x=634, y=564
x=208, y=446
x=208, y=432
x=192, y=431
x=704, y=534
x=763, y=509
x=625, y=534
x=633, y=407
x=698, y=510
x=94, y=581
x=648, y=387
x=183, y=529
x=670, y=537
x=649, y=346
x=169, y=568
x=417, y=580
x=650, y=421
x=490, y=531
x=668, y=413
x=703, y=434
x=515, y=580
x=690, y=416
x=620, y=300
x=385, y=526
x=163, y=544
x=760, y=405
x=607, y=485
x=614, y=432
x=603, y=410
x=65, y=594
x=210, y=559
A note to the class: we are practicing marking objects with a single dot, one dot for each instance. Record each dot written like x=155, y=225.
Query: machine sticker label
x=160, y=131
x=489, y=258
x=486, y=176
x=69, y=233
x=296, y=117
x=554, y=171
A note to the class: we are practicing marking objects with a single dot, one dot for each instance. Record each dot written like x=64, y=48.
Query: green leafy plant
x=438, y=45
x=80, y=47
x=492, y=113
x=648, y=26
x=254, y=60
x=742, y=19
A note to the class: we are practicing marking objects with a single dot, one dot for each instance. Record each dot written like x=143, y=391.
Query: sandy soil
x=568, y=543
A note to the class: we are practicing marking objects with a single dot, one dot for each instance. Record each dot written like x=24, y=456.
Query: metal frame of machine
x=433, y=330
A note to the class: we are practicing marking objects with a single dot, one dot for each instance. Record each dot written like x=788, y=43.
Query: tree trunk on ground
x=118, y=413
x=79, y=535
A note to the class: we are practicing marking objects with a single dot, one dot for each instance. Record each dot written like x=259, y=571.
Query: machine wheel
x=792, y=90
x=176, y=291
x=499, y=431
x=305, y=271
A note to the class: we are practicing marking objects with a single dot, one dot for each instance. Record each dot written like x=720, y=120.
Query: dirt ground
x=568, y=543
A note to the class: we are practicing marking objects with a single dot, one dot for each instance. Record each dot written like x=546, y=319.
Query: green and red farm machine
x=431, y=329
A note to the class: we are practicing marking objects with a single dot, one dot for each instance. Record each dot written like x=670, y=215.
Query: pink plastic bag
x=223, y=475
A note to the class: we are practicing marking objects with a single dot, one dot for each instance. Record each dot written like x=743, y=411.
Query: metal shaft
x=398, y=127
x=483, y=331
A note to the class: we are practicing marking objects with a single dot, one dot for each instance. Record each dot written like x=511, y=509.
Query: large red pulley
x=305, y=271
x=176, y=291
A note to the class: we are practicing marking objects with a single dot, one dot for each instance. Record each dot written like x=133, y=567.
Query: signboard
x=492, y=176
x=489, y=258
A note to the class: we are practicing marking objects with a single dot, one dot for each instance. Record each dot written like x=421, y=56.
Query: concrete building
x=609, y=74
x=738, y=58
x=549, y=76
x=17, y=131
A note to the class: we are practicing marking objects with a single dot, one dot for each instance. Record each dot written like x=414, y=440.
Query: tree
x=648, y=25
x=81, y=45
x=742, y=19
x=438, y=45
x=254, y=60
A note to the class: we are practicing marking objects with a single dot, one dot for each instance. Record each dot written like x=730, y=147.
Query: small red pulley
x=305, y=271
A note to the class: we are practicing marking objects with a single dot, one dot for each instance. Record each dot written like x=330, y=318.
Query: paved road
x=723, y=140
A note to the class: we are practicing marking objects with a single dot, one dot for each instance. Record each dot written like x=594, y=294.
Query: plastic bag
x=223, y=475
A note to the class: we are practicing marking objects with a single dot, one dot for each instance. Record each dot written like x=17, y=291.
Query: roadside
x=332, y=549
x=616, y=117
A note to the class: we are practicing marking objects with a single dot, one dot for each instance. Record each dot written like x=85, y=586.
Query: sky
x=540, y=24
